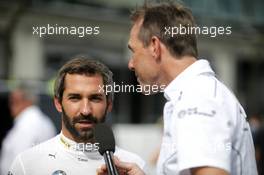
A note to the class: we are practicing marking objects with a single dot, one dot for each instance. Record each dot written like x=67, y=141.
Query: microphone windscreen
x=103, y=135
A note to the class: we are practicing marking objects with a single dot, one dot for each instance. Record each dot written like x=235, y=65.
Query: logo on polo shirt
x=195, y=111
x=59, y=172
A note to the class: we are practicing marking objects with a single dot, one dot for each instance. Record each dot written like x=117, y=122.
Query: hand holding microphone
x=124, y=168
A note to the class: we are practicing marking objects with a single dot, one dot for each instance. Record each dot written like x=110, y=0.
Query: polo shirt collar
x=173, y=90
x=72, y=145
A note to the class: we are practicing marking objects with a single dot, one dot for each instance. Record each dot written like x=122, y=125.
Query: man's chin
x=84, y=136
x=84, y=133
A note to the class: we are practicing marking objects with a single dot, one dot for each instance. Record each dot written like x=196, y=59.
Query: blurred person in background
x=82, y=104
x=31, y=125
x=205, y=127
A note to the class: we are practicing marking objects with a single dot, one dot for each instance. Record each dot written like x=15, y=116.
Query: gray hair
x=29, y=90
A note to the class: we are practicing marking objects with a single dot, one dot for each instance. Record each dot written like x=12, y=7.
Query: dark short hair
x=83, y=66
x=158, y=16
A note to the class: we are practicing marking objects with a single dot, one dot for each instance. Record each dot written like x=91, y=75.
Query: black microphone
x=103, y=135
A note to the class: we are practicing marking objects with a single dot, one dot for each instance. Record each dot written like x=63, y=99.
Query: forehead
x=82, y=82
x=135, y=30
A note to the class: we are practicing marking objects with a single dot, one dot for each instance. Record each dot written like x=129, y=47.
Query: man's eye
x=74, y=98
x=97, y=99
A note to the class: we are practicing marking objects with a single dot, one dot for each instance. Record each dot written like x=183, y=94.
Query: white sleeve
x=202, y=134
x=17, y=167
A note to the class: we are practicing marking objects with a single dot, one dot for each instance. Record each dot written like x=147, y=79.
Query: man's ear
x=58, y=104
x=155, y=47
x=109, y=105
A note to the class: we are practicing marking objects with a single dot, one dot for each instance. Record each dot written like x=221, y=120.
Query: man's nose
x=86, y=108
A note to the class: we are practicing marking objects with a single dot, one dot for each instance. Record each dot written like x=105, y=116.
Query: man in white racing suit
x=82, y=103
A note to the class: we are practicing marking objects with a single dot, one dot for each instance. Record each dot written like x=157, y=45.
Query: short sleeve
x=17, y=167
x=202, y=134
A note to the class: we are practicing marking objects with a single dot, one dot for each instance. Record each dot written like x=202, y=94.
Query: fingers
x=125, y=165
x=124, y=168
x=128, y=168
x=101, y=170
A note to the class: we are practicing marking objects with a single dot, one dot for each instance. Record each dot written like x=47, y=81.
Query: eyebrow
x=97, y=95
x=72, y=94
x=79, y=95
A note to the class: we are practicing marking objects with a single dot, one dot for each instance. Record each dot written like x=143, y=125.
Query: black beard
x=83, y=135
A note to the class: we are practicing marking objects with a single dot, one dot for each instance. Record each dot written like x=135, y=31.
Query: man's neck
x=69, y=136
x=172, y=67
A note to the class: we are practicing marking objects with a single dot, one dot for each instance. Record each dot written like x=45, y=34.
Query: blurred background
x=238, y=59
